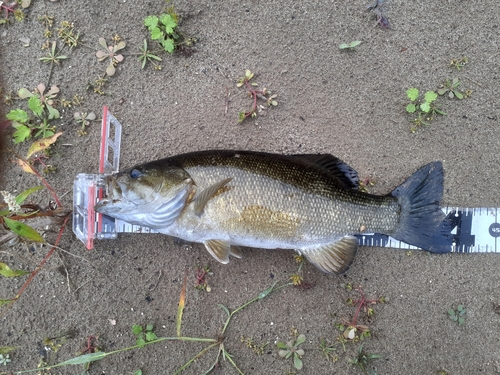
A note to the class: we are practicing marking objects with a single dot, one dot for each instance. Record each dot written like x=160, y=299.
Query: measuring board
x=473, y=230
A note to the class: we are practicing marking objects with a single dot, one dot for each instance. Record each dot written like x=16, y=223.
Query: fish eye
x=135, y=173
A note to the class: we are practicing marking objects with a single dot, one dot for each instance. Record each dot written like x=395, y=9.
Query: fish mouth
x=114, y=195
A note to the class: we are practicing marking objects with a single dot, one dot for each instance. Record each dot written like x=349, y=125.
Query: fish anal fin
x=335, y=257
x=219, y=249
x=204, y=196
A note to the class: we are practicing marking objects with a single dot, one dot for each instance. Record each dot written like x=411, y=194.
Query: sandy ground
x=347, y=103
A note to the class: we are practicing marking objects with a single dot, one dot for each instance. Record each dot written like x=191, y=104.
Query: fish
x=309, y=203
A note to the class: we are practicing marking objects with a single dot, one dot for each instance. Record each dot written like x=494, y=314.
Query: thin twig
x=81, y=286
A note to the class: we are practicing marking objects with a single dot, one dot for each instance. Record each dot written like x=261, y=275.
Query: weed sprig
x=263, y=94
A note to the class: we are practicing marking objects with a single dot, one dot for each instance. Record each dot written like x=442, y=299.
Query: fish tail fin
x=422, y=220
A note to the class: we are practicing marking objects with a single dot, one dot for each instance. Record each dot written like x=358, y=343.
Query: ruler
x=474, y=230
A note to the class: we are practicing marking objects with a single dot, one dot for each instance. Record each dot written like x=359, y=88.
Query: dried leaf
x=101, y=55
x=180, y=309
x=41, y=88
x=25, y=166
x=42, y=144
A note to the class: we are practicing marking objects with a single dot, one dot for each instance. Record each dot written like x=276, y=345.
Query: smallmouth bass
x=308, y=203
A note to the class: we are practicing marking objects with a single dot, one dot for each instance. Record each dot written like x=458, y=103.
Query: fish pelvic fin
x=335, y=257
x=219, y=249
x=204, y=196
x=421, y=219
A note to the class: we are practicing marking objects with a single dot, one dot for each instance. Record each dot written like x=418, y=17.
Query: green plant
x=451, y=87
x=263, y=94
x=459, y=63
x=351, y=330
x=458, y=314
x=362, y=359
x=143, y=339
x=350, y=46
x=291, y=349
x=328, y=351
x=66, y=32
x=144, y=335
x=147, y=55
x=162, y=28
x=46, y=99
x=84, y=119
x=425, y=109
x=40, y=104
x=53, y=57
x=256, y=348
x=111, y=53
x=4, y=359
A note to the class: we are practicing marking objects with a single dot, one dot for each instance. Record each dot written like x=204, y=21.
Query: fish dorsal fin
x=219, y=249
x=236, y=252
x=335, y=166
x=203, y=197
x=335, y=257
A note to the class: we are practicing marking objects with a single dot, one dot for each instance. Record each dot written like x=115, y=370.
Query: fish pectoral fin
x=219, y=249
x=236, y=252
x=334, y=257
x=204, y=196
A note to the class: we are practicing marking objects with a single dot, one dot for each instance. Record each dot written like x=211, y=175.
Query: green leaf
x=430, y=96
x=7, y=349
x=412, y=94
x=224, y=308
x=141, y=343
x=267, y=291
x=281, y=345
x=83, y=359
x=458, y=94
x=156, y=33
x=35, y=105
x=168, y=21
x=21, y=134
x=410, y=108
x=151, y=22
x=442, y=91
x=6, y=301
x=168, y=45
x=297, y=362
x=138, y=372
x=18, y=115
x=24, y=93
x=136, y=329
x=6, y=271
x=350, y=45
x=461, y=320
x=53, y=114
x=425, y=107
x=25, y=194
x=149, y=327
x=23, y=230
x=150, y=336
x=300, y=339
